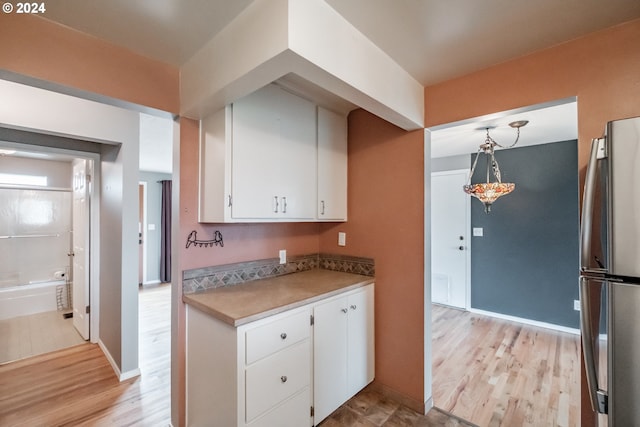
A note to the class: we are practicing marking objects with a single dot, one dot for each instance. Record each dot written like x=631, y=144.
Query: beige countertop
x=240, y=304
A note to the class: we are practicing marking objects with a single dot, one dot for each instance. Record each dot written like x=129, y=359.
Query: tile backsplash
x=201, y=279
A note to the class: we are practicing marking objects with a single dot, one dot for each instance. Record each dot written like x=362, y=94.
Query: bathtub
x=22, y=300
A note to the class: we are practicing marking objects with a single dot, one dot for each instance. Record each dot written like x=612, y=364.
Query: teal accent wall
x=526, y=264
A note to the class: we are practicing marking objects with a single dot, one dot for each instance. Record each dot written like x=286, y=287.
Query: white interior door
x=80, y=240
x=450, y=244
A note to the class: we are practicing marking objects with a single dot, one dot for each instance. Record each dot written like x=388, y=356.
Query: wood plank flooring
x=40, y=333
x=486, y=371
x=77, y=386
x=498, y=373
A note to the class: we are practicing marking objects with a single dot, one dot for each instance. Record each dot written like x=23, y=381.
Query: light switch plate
x=342, y=238
x=478, y=231
x=283, y=256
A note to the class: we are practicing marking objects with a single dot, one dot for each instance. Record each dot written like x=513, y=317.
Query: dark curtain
x=165, y=233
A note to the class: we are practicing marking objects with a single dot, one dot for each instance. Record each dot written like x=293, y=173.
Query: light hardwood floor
x=27, y=336
x=498, y=373
x=77, y=386
x=486, y=371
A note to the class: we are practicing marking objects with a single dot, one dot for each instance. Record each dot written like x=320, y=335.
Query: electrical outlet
x=576, y=305
x=283, y=256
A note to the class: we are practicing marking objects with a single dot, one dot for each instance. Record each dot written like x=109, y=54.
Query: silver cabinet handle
x=284, y=205
x=322, y=210
x=353, y=307
x=229, y=205
x=283, y=336
x=344, y=310
x=283, y=378
x=275, y=204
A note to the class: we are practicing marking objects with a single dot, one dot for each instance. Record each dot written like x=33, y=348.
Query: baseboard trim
x=120, y=375
x=428, y=404
x=526, y=321
x=403, y=399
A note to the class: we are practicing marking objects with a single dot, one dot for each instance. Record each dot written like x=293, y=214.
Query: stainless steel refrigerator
x=610, y=274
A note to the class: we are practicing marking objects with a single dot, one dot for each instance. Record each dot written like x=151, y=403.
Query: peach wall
x=602, y=69
x=36, y=47
x=386, y=222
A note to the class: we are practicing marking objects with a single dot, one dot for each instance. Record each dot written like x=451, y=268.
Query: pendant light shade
x=489, y=191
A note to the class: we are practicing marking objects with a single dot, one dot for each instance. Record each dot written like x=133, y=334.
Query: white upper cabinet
x=332, y=166
x=273, y=156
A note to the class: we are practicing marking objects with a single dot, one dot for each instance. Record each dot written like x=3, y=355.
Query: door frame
x=143, y=229
x=468, y=234
x=94, y=223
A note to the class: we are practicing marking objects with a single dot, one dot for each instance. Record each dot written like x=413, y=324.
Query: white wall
x=442, y=164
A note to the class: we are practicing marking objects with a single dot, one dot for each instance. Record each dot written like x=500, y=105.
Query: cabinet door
x=215, y=167
x=273, y=156
x=332, y=166
x=360, y=341
x=329, y=357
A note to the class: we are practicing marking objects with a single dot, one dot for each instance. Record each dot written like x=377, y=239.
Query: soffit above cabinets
x=287, y=41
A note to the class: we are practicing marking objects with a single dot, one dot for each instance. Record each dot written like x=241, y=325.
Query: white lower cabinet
x=279, y=370
x=343, y=349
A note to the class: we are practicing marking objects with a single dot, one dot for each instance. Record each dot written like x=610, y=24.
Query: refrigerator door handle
x=589, y=342
x=587, y=206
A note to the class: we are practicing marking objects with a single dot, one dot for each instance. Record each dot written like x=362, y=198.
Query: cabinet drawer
x=277, y=335
x=292, y=413
x=272, y=380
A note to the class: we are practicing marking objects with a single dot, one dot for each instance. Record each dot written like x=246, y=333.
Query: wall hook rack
x=192, y=239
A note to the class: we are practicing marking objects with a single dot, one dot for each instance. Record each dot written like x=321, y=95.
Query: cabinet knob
x=283, y=378
x=344, y=310
x=461, y=248
x=283, y=336
x=353, y=307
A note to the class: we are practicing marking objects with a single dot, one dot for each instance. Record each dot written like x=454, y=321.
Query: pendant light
x=488, y=192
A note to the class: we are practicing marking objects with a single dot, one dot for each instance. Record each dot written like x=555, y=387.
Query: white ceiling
x=547, y=123
x=433, y=40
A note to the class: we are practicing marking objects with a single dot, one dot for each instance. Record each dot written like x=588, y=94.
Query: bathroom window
x=18, y=179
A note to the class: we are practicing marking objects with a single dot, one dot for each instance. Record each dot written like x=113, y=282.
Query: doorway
x=468, y=367
x=142, y=238
x=45, y=242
